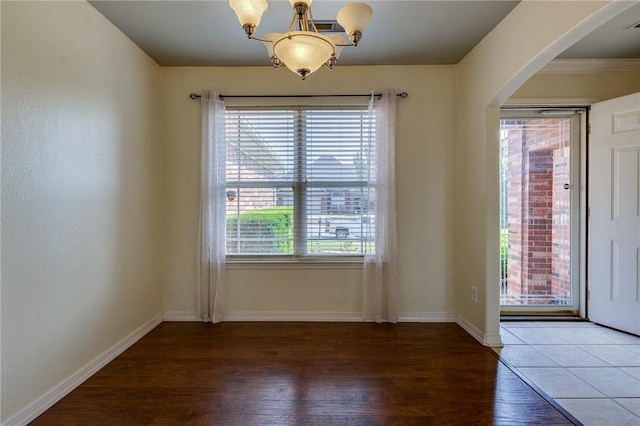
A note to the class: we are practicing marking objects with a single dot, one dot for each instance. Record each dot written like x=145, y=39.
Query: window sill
x=355, y=262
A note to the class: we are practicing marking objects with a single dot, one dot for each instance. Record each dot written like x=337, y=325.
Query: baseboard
x=427, y=317
x=293, y=316
x=311, y=316
x=177, y=316
x=492, y=341
x=46, y=401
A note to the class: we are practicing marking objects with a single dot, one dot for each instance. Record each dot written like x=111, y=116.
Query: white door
x=614, y=224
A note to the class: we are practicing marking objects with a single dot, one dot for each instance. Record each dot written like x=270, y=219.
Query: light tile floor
x=591, y=371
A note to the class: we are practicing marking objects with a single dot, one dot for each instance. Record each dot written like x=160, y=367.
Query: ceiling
x=207, y=33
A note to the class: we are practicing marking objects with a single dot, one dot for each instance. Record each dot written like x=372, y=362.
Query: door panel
x=614, y=224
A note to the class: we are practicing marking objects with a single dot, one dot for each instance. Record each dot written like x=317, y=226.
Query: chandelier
x=302, y=48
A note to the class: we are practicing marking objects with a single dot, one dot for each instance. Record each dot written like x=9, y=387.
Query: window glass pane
x=260, y=145
x=337, y=145
x=260, y=156
x=338, y=222
x=256, y=224
x=312, y=164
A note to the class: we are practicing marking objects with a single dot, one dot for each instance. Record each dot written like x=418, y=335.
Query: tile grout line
x=551, y=400
x=539, y=391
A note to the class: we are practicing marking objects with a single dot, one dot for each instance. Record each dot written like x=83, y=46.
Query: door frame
x=520, y=108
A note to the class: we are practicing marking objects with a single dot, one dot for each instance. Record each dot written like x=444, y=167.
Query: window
x=297, y=181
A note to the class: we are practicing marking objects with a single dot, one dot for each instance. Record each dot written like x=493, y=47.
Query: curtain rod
x=402, y=95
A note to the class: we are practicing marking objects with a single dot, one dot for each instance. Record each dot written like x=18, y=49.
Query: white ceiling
x=207, y=33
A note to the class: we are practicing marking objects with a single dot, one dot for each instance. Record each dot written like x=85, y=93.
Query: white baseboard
x=177, y=316
x=427, y=317
x=46, y=401
x=293, y=316
x=491, y=341
x=314, y=316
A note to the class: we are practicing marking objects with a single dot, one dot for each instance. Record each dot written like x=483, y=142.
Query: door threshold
x=546, y=317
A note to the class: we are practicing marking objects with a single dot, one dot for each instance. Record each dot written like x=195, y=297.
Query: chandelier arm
x=260, y=39
x=312, y=34
x=292, y=24
x=313, y=23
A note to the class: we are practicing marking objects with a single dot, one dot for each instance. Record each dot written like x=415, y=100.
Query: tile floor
x=591, y=371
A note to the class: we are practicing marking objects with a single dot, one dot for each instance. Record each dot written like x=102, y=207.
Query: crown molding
x=591, y=66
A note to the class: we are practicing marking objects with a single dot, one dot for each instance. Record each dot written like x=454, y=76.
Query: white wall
x=507, y=57
x=81, y=193
x=425, y=194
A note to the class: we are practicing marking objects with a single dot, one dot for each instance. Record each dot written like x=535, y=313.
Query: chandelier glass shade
x=302, y=48
x=303, y=52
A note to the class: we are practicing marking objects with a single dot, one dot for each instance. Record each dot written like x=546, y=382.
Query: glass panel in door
x=537, y=266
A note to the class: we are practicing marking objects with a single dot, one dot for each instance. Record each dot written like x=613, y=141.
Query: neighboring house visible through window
x=298, y=181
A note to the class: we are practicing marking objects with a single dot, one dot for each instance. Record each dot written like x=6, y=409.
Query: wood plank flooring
x=304, y=374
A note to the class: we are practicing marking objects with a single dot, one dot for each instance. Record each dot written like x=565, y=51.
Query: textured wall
x=81, y=193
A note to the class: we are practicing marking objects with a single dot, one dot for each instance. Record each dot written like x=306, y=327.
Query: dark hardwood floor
x=304, y=374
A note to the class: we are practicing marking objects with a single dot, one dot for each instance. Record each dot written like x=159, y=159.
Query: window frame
x=299, y=185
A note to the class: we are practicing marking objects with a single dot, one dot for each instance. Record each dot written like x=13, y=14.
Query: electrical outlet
x=474, y=293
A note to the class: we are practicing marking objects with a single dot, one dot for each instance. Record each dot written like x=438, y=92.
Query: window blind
x=297, y=181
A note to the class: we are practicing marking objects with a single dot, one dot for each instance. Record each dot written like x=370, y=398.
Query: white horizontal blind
x=338, y=152
x=297, y=181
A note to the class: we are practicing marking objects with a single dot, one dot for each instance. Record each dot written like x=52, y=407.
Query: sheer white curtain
x=380, y=267
x=210, y=274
